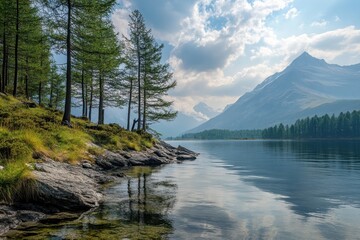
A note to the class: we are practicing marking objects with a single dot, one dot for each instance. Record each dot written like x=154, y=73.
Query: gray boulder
x=65, y=186
x=10, y=218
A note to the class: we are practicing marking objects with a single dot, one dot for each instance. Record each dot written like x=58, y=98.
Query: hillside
x=33, y=141
x=308, y=86
x=29, y=132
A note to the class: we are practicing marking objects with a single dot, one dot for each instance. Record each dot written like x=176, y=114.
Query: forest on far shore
x=345, y=125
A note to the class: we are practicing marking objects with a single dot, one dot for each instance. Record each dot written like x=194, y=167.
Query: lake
x=234, y=190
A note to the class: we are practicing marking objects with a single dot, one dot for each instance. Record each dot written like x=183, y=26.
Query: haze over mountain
x=308, y=86
x=183, y=122
x=206, y=110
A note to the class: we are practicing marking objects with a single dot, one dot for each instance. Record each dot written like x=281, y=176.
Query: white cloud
x=209, y=37
x=292, y=13
x=321, y=23
x=120, y=20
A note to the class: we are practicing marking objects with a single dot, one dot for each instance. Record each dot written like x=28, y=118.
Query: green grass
x=27, y=134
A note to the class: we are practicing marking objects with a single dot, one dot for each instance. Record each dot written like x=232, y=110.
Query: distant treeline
x=224, y=134
x=346, y=125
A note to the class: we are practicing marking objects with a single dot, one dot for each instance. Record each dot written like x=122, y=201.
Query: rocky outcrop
x=11, y=217
x=68, y=187
x=161, y=153
x=65, y=187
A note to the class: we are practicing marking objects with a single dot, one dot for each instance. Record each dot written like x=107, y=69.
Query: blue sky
x=220, y=49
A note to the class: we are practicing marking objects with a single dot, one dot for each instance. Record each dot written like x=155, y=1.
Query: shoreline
x=75, y=189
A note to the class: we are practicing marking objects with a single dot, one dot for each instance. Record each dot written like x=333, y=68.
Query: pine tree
x=97, y=54
x=21, y=47
x=60, y=16
x=157, y=82
x=144, y=70
x=133, y=60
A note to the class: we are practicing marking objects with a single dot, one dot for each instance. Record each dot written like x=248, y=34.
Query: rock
x=86, y=164
x=183, y=150
x=151, y=161
x=110, y=160
x=161, y=153
x=61, y=186
x=10, y=217
x=183, y=157
x=65, y=186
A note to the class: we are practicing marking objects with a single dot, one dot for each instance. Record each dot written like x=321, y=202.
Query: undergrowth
x=29, y=132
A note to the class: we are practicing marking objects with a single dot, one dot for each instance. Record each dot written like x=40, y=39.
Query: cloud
x=204, y=58
x=321, y=23
x=292, y=13
x=120, y=20
x=220, y=50
x=339, y=46
x=217, y=32
x=162, y=16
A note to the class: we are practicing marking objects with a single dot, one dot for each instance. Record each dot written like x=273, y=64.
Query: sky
x=220, y=49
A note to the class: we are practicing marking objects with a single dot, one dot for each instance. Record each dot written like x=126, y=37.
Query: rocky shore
x=62, y=187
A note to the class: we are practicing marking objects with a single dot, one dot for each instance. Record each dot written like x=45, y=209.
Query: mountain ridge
x=300, y=89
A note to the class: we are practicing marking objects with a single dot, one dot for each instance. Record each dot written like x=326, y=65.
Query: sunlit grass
x=35, y=132
x=12, y=179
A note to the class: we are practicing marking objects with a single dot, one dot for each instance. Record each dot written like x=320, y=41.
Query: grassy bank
x=28, y=132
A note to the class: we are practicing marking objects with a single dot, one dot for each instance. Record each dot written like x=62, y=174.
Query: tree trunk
x=40, y=82
x=129, y=107
x=51, y=93
x=101, y=100
x=7, y=68
x=144, y=107
x=2, y=87
x=27, y=78
x=40, y=90
x=2, y=84
x=86, y=100
x=16, y=49
x=139, y=84
x=83, y=93
x=91, y=98
x=67, y=111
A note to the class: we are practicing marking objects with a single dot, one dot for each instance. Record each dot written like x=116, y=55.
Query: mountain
x=227, y=106
x=183, y=122
x=176, y=127
x=205, y=110
x=308, y=86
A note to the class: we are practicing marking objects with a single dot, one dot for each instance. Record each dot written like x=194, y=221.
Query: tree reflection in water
x=136, y=209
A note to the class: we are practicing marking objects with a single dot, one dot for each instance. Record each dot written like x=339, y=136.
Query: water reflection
x=135, y=209
x=234, y=190
x=323, y=154
x=312, y=176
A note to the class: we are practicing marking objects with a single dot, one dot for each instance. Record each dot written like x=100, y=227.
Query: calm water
x=234, y=190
